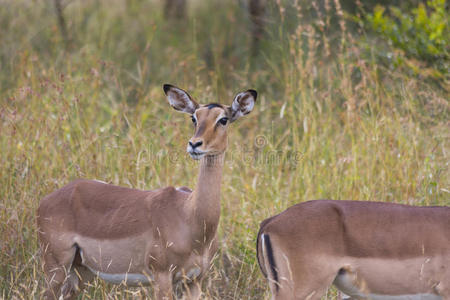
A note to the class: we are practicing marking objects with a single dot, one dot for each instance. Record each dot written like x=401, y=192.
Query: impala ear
x=242, y=104
x=179, y=99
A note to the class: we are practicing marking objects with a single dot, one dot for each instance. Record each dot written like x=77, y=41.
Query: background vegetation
x=353, y=104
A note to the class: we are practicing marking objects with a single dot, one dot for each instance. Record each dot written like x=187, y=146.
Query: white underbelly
x=118, y=256
x=126, y=261
x=383, y=279
x=346, y=285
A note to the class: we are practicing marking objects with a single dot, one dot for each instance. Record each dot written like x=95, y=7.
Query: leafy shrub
x=421, y=33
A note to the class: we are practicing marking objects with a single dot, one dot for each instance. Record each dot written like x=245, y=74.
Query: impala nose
x=195, y=145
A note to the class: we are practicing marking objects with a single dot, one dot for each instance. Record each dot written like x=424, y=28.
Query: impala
x=368, y=250
x=164, y=237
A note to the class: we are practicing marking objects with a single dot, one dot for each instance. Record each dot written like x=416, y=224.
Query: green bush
x=421, y=33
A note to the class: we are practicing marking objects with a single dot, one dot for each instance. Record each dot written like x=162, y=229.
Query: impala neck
x=205, y=200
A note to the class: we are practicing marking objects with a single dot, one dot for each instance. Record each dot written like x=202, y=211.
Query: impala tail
x=266, y=259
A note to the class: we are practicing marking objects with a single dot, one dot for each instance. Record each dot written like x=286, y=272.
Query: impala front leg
x=163, y=287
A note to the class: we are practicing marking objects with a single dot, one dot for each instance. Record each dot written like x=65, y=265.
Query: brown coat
x=382, y=248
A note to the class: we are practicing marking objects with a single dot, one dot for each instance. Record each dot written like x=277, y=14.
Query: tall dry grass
x=330, y=122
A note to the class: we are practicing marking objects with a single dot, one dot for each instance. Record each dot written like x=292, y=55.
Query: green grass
x=329, y=122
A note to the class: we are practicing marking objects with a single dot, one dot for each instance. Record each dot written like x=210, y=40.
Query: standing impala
x=135, y=237
x=369, y=250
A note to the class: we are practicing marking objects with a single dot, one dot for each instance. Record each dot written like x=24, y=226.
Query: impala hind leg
x=193, y=290
x=64, y=273
x=80, y=274
x=307, y=287
x=296, y=276
x=75, y=282
x=189, y=288
x=57, y=274
x=443, y=289
x=54, y=277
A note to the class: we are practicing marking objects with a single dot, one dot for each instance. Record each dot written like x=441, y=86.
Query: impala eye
x=223, y=121
x=193, y=120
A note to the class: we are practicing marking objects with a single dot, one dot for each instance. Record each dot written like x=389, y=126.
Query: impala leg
x=60, y=280
x=54, y=277
x=71, y=286
x=84, y=276
x=308, y=290
x=443, y=289
x=313, y=283
x=194, y=290
x=295, y=275
x=75, y=282
x=163, y=286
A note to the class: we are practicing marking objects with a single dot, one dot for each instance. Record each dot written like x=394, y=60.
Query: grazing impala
x=135, y=237
x=369, y=250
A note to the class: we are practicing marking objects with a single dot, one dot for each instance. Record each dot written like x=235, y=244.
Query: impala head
x=211, y=120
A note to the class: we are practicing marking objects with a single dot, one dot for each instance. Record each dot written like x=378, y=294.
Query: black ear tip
x=254, y=93
x=167, y=87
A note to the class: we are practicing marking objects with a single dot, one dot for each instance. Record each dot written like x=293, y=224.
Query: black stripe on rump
x=271, y=259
